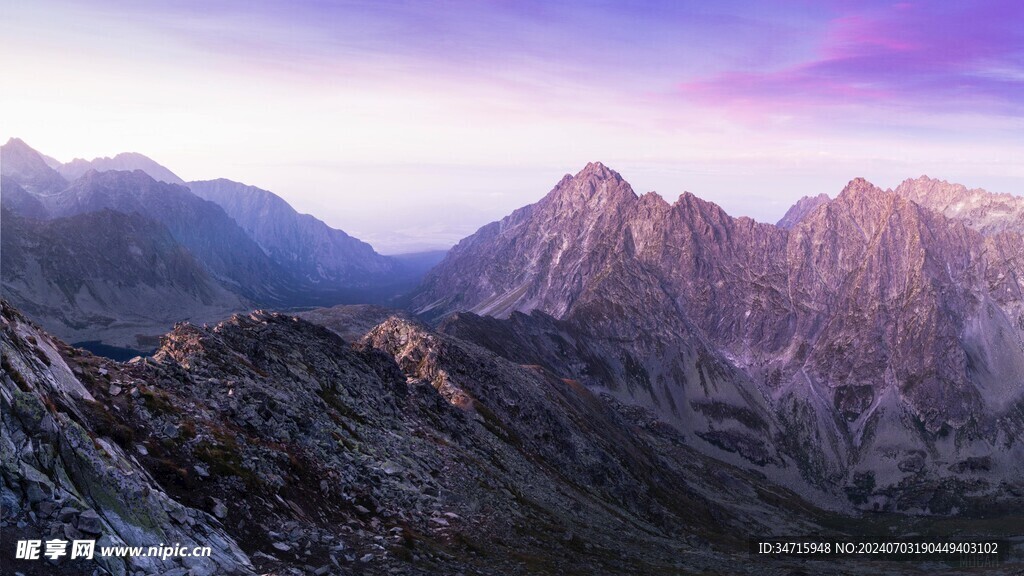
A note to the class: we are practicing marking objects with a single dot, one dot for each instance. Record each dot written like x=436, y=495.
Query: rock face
x=17, y=200
x=123, y=162
x=65, y=476
x=871, y=331
x=408, y=451
x=298, y=242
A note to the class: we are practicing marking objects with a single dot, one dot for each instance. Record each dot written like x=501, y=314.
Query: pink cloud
x=914, y=56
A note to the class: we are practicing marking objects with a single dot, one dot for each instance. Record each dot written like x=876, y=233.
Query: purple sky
x=410, y=124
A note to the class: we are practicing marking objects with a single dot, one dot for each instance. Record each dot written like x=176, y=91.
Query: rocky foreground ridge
x=873, y=339
x=291, y=451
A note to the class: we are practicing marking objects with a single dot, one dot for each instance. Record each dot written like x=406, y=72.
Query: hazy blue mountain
x=28, y=168
x=19, y=201
x=125, y=161
x=250, y=245
x=300, y=243
x=203, y=227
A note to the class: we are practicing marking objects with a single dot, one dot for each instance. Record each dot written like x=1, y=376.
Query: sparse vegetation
x=105, y=424
x=156, y=401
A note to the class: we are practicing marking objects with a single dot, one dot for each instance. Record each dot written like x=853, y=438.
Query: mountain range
x=251, y=248
x=867, y=334
x=288, y=449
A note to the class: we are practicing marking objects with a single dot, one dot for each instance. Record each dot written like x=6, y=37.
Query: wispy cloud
x=932, y=57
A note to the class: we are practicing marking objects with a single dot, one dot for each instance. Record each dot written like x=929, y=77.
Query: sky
x=412, y=124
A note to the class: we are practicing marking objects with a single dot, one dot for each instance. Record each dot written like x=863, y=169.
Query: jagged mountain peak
x=599, y=170
x=94, y=175
x=594, y=185
x=867, y=205
x=15, y=143
x=860, y=188
x=689, y=199
x=928, y=191
x=696, y=211
x=866, y=293
x=127, y=185
x=926, y=178
x=985, y=211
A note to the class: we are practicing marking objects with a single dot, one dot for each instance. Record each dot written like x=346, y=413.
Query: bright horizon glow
x=410, y=125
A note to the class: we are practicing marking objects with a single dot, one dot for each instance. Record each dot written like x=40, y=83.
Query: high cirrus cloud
x=924, y=57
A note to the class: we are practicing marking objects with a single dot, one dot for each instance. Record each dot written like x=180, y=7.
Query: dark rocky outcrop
x=71, y=468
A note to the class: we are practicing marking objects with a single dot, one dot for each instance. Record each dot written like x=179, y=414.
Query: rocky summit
x=123, y=162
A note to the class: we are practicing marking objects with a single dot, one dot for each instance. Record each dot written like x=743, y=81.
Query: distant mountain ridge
x=264, y=253
x=979, y=209
x=123, y=162
x=199, y=225
x=296, y=241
